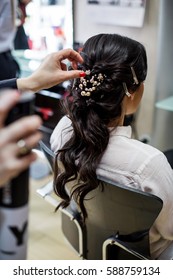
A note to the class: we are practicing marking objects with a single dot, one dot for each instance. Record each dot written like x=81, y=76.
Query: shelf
x=165, y=104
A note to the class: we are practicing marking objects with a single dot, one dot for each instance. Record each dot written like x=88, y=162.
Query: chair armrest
x=46, y=193
x=113, y=241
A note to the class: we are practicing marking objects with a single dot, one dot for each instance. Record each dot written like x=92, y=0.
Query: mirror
x=49, y=24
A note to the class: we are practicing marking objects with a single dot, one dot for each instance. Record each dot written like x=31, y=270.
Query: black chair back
x=119, y=214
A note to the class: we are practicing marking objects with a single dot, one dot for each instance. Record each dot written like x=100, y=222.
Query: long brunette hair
x=92, y=107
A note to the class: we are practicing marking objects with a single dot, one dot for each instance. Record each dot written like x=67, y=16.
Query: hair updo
x=110, y=61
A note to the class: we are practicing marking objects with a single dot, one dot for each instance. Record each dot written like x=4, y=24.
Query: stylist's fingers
x=13, y=162
x=23, y=163
x=20, y=129
x=25, y=145
x=75, y=58
x=17, y=156
x=22, y=160
x=63, y=75
x=8, y=98
x=72, y=74
x=71, y=55
x=15, y=165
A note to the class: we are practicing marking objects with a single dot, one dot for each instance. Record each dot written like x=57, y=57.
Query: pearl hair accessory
x=88, y=85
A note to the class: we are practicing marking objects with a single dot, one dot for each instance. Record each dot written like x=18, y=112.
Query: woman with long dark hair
x=91, y=139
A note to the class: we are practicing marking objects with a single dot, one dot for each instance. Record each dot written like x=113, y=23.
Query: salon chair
x=118, y=223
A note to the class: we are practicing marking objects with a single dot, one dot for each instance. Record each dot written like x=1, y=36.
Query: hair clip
x=126, y=90
x=134, y=76
x=89, y=84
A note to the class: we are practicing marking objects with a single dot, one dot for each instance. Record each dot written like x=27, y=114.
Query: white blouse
x=129, y=162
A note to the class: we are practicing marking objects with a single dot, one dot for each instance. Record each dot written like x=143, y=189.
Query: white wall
x=147, y=35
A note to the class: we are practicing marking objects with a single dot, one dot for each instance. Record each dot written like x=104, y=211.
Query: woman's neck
x=115, y=123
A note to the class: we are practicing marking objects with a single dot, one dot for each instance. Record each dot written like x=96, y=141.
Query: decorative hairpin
x=88, y=85
x=134, y=76
x=126, y=90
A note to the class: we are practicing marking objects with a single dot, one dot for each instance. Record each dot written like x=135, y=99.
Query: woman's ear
x=137, y=93
x=132, y=96
x=134, y=99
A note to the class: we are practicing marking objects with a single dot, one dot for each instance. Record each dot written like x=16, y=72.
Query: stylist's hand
x=11, y=163
x=52, y=71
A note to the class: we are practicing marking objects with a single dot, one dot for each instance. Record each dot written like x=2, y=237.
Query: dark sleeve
x=11, y=83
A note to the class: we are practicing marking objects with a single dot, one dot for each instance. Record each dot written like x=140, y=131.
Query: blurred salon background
x=45, y=26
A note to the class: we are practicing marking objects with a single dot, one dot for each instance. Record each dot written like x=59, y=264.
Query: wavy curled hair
x=113, y=56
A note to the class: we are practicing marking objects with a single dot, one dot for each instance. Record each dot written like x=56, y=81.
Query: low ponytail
x=81, y=155
x=93, y=104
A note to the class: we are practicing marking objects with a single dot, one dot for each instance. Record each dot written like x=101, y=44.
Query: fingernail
x=82, y=74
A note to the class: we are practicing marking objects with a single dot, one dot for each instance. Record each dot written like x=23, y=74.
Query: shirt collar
x=125, y=131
